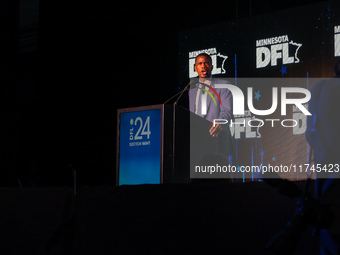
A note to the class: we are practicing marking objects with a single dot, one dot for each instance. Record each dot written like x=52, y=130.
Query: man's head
x=203, y=66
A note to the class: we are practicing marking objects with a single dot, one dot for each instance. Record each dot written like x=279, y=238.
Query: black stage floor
x=197, y=218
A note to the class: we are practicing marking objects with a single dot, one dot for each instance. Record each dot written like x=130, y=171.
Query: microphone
x=191, y=82
x=180, y=93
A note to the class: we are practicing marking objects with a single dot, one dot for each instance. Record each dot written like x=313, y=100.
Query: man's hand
x=214, y=131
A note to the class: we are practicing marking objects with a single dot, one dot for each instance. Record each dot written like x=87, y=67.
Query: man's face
x=203, y=67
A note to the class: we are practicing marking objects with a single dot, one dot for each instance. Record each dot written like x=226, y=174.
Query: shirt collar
x=207, y=81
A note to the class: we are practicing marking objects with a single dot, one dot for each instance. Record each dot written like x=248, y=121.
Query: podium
x=160, y=144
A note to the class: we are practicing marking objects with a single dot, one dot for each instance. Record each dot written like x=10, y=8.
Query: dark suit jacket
x=224, y=111
x=218, y=111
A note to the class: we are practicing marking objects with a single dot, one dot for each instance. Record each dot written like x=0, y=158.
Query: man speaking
x=211, y=110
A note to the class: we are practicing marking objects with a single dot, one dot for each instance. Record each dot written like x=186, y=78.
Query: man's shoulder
x=220, y=81
x=221, y=89
x=217, y=82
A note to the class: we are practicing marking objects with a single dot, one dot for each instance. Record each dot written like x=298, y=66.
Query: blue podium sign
x=140, y=145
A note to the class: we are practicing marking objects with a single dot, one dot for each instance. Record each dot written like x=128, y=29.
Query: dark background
x=312, y=27
x=67, y=67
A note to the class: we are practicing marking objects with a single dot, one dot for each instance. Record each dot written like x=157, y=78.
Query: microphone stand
x=173, y=96
x=180, y=92
x=174, y=127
